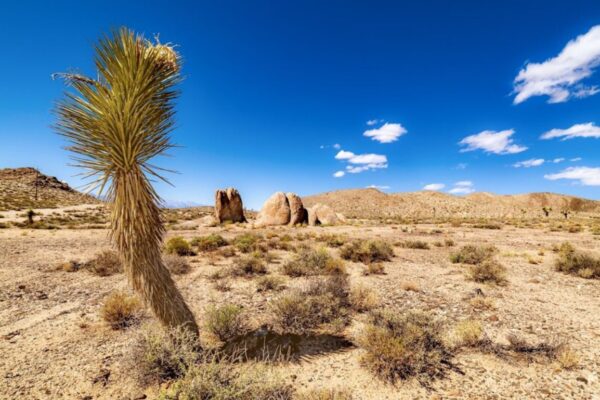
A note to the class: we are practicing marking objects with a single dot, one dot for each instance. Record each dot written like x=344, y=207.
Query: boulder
x=298, y=214
x=275, y=211
x=321, y=214
x=229, y=206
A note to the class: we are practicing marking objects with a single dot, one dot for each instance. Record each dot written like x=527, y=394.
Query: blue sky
x=274, y=91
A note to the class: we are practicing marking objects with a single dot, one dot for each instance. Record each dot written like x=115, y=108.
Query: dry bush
x=160, y=355
x=313, y=262
x=323, y=301
x=482, y=303
x=177, y=264
x=222, y=380
x=211, y=242
x=363, y=298
x=374, y=269
x=449, y=242
x=487, y=225
x=332, y=240
x=105, y=263
x=225, y=322
x=399, y=346
x=247, y=242
x=325, y=394
x=414, y=244
x=178, y=245
x=70, y=266
x=468, y=333
x=222, y=285
x=575, y=262
x=410, y=286
x=248, y=265
x=567, y=358
x=367, y=251
x=226, y=252
x=121, y=310
x=488, y=271
x=470, y=254
x=268, y=283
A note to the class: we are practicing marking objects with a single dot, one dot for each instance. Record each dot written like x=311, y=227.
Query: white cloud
x=464, y=183
x=559, y=77
x=586, y=176
x=558, y=160
x=387, y=133
x=492, y=142
x=461, y=190
x=372, y=122
x=534, y=162
x=362, y=162
x=575, y=159
x=339, y=174
x=379, y=187
x=337, y=146
x=434, y=186
x=587, y=130
x=461, y=166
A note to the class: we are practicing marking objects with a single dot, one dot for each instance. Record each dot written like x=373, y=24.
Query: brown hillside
x=372, y=203
x=22, y=188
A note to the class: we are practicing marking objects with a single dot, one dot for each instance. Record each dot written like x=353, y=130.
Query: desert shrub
x=567, y=358
x=324, y=301
x=596, y=230
x=449, y=242
x=468, y=333
x=226, y=252
x=248, y=265
x=247, y=242
x=121, y=310
x=222, y=285
x=105, y=263
x=160, y=355
x=488, y=271
x=374, y=269
x=268, y=283
x=410, y=286
x=178, y=245
x=71, y=266
x=332, y=240
x=367, y=251
x=363, y=298
x=209, y=243
x=575, y=262
x=399, y=346
x=575, y=229
x=221, y=380
x=313, y=262
x=415, y=244
x=225, y=322
x=324, y=394
x=482, y=303
x=279, y=244
x=473, y=254
x=177, y=264
x=4, y=225
x=487, y=225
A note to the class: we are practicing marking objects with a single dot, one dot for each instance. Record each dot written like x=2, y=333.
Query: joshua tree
x=115, y=125
x=30, y=214
x=546, y=211
x=565, y=212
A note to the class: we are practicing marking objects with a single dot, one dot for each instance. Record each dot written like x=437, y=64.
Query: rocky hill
x=372, y=203
x=22, y=188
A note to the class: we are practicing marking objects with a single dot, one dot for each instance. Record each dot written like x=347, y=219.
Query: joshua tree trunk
x=137, y=231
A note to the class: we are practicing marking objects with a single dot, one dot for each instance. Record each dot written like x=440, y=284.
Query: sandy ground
x=53, y=343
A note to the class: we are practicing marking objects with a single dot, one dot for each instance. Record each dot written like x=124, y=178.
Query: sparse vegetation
x=374, y=269
x=211, y=242
x=576, y=262
x=178, y=245
x=313, y=262
x=121, y=310
x=248, y=265
x=270, y=283
x=225, y=322
x=468, y=333
x=105, y=263
x=367, y=251
x=473, y=254
x=415, y=244
x=488, y=271
x=177, y=264
x=247, y=242
x=363, y=298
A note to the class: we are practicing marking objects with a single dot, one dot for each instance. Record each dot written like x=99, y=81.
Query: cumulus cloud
x=387, y=133
x=339, y=174
x=492, y=142
x=462, y=187
x=534, y=162
x=575, y=159
x=586, y=176
x=434, y=186
x=379, y=187
x=358, y=163
x=558, y=160
x=587, y=130
x=560, y=77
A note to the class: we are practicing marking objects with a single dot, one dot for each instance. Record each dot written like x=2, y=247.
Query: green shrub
x=488, y=271
x=248, y=265
x=313, y=262
x=247, y=242
x=473, y=254
x=178, y=245
x=268, y=283
x=415, y=244
x=225, y=322
x=105, y=263
x=209, y=243
x=121, y=310
x=399, y=346
x=575, y=262
x=367, y=251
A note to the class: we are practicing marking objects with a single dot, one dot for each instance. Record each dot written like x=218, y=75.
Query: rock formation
x=229, y=206
x=275, y=211
x=321, y=214
x=298, y=214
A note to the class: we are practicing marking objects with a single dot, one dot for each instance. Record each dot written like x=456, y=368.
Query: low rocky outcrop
x=275, y=211
x=321, y=214
x=298, y=214
x=229, y=206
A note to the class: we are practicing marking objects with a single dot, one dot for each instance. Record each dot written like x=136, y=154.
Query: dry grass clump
x=575, y=262
x=488, y=271
x=374, y=269
x=487, y=225
x=325, y=394
x=270, y=283
x=323, y=301
x=399, y=346
x=481, y=303
x=410, y=286
x=468, y=333
x=225, y=322
x=105, y=263
x=332, y=240
x=363, y=298
x=470, y=254
x=211, y=242
x=178, y=245
x=176, y=264
x=567, y=358
x=70, y=266
x=121, y=310
x=247, y=242
x=313, y=262
x=367, y=251
x=449, y=242
x=248, y=265
x=414, y=244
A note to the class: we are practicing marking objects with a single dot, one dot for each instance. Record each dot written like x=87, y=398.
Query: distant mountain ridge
x=23, y=188
x=372, y=203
